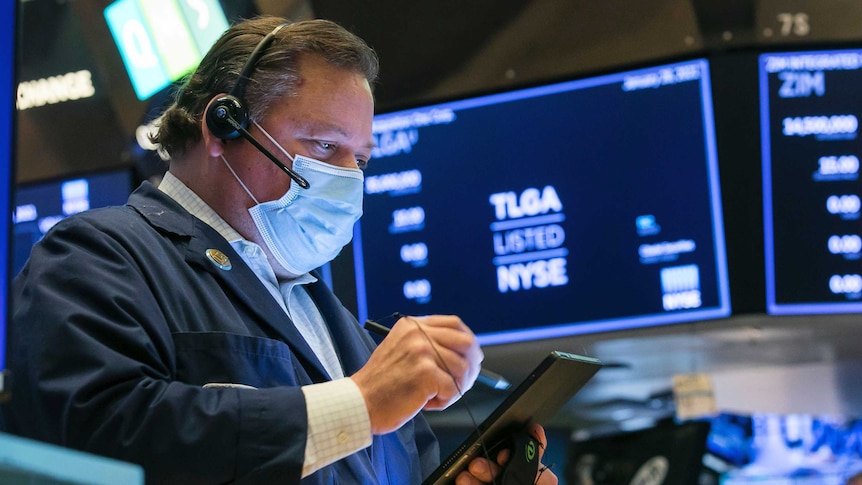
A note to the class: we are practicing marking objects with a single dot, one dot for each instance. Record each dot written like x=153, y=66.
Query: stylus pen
x=486, y=377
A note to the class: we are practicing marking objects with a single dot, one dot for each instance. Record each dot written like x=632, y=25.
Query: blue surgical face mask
x=307, y=228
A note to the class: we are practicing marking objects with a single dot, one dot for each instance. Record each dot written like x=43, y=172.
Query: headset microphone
x=223, y=113
x=227, y=117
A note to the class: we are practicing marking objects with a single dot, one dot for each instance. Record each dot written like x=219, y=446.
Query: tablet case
x=536, y=400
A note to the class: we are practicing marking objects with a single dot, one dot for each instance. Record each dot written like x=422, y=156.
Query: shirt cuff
x=338, y=423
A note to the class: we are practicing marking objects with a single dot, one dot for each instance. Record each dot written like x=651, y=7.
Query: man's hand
x=481, y=471
x=417, y=367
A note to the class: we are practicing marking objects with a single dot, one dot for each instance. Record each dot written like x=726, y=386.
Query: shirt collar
x=248, y=251
x=190, y=201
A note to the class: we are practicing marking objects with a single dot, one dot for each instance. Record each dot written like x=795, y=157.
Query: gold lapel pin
x=219, y=258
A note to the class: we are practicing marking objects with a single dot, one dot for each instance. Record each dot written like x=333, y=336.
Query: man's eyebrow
x=327, y=126
x=318, y=125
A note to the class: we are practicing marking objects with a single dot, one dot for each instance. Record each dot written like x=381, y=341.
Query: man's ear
x=214, y=145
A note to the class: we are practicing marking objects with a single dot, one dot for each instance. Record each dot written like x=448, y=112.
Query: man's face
x=329, y=119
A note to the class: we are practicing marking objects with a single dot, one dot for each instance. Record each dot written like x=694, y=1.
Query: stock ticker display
x=576, y=207
x=809, y=120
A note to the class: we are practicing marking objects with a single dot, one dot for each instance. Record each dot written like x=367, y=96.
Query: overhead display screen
x=583, y=206
x=162, y=40
x=809, y=120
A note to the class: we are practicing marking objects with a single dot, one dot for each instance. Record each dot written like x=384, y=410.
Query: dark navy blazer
x=119, y=319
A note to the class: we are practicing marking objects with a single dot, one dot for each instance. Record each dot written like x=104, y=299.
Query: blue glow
x=766, y=155
x=359, y=274
x=598, y=326
x=714, y=190
x=7, y=172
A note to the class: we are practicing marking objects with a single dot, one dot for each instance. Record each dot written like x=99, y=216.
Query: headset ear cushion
x=220, y=111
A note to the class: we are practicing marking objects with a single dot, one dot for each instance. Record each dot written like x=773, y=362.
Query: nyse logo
x=535, y=274
x=680, y=287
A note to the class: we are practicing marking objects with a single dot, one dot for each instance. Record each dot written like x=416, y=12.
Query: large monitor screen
x=160, y=41
x=809, y=120
x=7, y=173
x=40, y=205
x=582, y=206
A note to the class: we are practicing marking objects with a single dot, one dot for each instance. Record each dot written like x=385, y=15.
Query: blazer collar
x=239, y=281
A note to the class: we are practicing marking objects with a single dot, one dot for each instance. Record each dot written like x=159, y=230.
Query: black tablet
x=537, y=399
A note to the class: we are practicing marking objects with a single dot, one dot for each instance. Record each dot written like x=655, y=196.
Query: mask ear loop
x=270, y=138
x=239, y=180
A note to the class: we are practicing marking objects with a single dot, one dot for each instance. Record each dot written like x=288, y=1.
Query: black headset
x=227, y=117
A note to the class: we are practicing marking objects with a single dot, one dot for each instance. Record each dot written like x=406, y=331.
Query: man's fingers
x=538, y=433
x=480, y=470
x=448, y=332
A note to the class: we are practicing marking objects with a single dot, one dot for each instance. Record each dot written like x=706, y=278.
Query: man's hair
x=275, y=75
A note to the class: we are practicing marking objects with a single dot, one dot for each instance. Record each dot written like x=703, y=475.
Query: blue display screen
x=7, y=173
x=811, y=148
x=583, y=206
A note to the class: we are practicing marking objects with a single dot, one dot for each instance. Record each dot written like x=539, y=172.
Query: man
x=187, y=331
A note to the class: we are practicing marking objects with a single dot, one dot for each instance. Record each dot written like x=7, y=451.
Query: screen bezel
x=8, y=32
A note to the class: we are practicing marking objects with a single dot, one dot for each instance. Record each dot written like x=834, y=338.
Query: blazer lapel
x=246, y=288
x=239, y=281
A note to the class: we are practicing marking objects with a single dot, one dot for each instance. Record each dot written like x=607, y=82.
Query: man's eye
x=327, y=145
x=362, y=164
